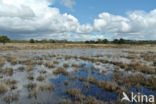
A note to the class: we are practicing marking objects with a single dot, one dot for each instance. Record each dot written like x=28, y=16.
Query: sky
x=78, y=20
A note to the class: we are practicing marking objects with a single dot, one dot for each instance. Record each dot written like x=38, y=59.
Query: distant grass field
x=34, y=46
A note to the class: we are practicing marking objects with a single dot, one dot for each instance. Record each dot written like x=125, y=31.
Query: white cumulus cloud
x=68, y=3
x=25, y=19
x=136, y=25
x=22, y=17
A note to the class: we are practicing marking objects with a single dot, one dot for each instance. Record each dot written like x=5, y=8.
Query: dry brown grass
x=149, y=56
x=81, y=79
x=93, y=100
x=29, y=46
x=21, y=68
x=140, y=67
x=10, y=58
x=11, y=83
x=108, y=86
x=105, y=85
x=75, y=65
x=42, y=71
x=9, y=71
x=92, y=80
x=29, y=67
x=13, y=87
x=9, y=98
x=66, y=65
x=40, y=78
x=137, y=81
x=30, y=76
x=135, y=66
x=31, y=86
x=2, y=61
x=47, y=87
x=49, y=65
x=67, y=57
x=60, y=70
x=3, y=89
x=154, y=62
x=87, y=100
x=72, y=77
x=33, y=93
x=67, y=101
x=55, y=62
x=66, y=82
x=76, y=94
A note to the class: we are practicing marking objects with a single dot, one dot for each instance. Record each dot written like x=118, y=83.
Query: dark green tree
x=4, y=39
x=122, y=41
x=105, y=41
x=116, y=41
x=31, y=41
x=99, y=41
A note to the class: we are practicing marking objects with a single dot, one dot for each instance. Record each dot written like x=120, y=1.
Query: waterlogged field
x=75, y=76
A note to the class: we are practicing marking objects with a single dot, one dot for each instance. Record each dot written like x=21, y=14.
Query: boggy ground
x=35, y=46
x=75, y=76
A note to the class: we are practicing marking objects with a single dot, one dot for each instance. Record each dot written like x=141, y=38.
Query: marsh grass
x=81, y=79
x=9, y=71
x=47, y=87
x=140, y=67
x=12, y=59
x=154, y=63
x=72, y=77
x=66, y=65
x=3, y=88
x=135, y=66
x=67, y=57
x=9, y=98
x=30, y=76
x=66, y=82
x=108, y=86
x=76, y=94
x=137, y=81
x=55, y=62
x=29, y=67
x=149, y=56
x=121, y=81
x=13, y=87
x=29, y=46
x=93, y=100
x=33, y=93
x=40, y=78
x=11, y=83
x=21, y=68
x=104, y=85
x=60, y=70
x=49, y=65
x=98, y=55
x=2, y=61
x=42, y=71
x=31, y=86
x=75, y=65
x=87, y=100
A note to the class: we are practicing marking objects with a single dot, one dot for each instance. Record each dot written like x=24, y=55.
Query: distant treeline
x=5, y=39
x=121, y=41
x=99, y=41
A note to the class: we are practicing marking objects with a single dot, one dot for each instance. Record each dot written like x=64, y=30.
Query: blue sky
x=87, y=10
x=78, y=19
